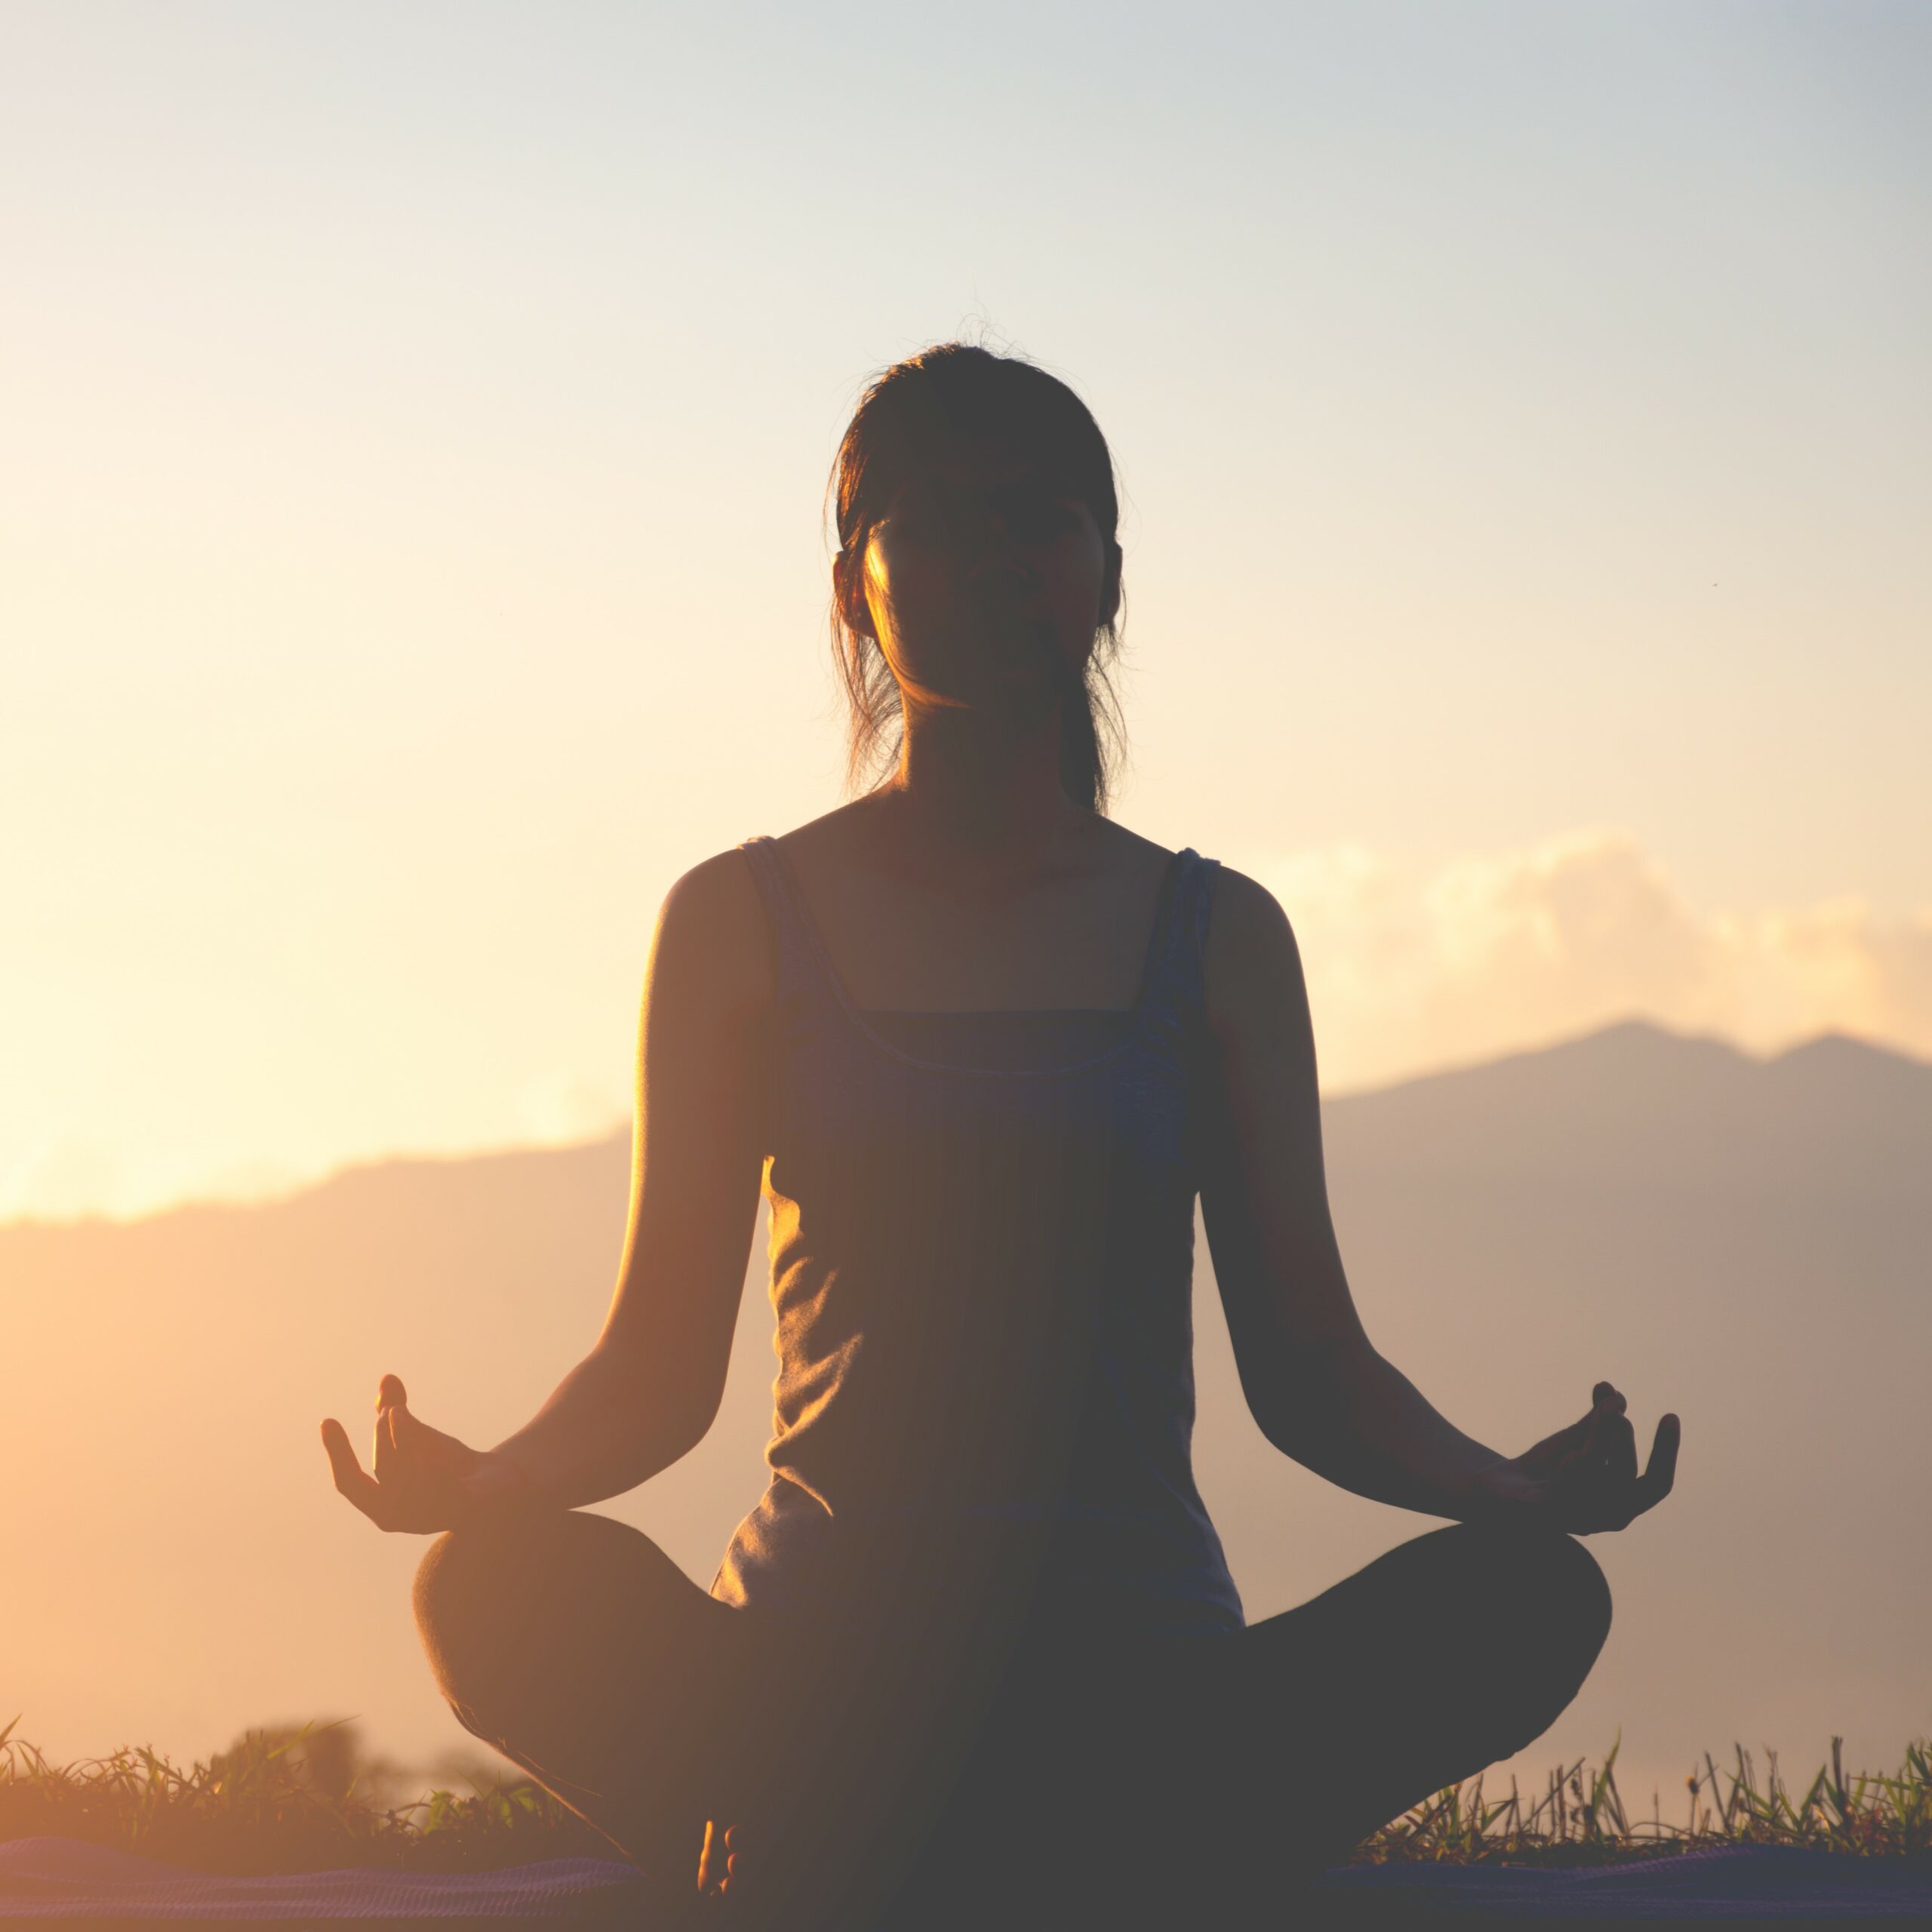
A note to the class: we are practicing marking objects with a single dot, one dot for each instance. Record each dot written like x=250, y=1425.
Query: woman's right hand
x=1584, y=1478
x=424, y=1481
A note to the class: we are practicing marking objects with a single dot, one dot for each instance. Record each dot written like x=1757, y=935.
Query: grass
x=1580, y=1818
x=281, y=1800
x=298, y=1799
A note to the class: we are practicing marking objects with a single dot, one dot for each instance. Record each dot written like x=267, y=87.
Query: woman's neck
x=980, y=797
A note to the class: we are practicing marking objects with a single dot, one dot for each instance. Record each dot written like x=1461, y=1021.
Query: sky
x=417, y=419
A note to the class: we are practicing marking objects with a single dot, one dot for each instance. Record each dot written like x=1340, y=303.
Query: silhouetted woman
x=975, y=1657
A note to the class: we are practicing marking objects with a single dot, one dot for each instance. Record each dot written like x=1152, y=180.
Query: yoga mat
x=1741, y=1884
x=67, y=1881
x=50, y=1878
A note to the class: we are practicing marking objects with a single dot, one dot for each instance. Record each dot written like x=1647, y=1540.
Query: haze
x=1742, y=1242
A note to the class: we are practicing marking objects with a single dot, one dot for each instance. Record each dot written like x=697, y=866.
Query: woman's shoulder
x=713, y=925
x=1247, y=904
x=1250, y=964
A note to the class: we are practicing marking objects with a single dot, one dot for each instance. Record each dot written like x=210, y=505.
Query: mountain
x=1745, y=1241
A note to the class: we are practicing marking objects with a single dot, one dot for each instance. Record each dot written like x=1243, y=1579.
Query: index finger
x=1654, y=1484
x=351, y=1478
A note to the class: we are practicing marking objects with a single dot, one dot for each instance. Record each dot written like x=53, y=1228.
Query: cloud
x=563, y=1107
x=57, y=1176
x=1499, y=951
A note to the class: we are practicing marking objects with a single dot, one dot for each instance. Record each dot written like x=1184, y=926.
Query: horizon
x=1743, y=1248
x=623, y=1128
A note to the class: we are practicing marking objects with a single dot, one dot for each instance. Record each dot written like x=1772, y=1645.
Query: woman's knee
x=459, y=1567
x=472, y=1591
x=438, y=1587
x=449, y=1597
x=1562, y=1585
x=1558, y=1604
x=1530, y=1574
x=525, y=1612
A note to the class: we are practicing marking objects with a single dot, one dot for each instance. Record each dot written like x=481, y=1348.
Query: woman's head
x=978, y=562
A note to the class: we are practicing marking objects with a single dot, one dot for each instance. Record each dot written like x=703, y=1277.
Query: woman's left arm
x=1318, y=1387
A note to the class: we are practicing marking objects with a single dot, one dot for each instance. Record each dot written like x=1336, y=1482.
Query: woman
x=977, y=1650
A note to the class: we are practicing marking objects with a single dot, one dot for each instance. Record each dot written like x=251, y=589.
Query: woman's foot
x=724, y=1861
x=740, y=1863
x=731, y=1895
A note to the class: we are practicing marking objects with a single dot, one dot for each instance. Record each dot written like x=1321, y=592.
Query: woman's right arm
x=651, y=1383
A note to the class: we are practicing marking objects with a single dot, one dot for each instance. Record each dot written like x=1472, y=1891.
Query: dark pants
x=880, y=1776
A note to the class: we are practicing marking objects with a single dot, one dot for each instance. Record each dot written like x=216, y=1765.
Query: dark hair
x=908, y=414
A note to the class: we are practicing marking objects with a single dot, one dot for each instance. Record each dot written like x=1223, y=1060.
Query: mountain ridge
x=1743, y=1241
x=1662, y=1046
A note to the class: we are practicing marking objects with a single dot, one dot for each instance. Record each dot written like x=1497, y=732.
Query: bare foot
x=739, y=1866
x=723, y=1860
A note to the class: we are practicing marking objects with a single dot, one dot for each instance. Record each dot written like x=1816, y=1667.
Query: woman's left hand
x=1583, y=1478
x=424, y=1481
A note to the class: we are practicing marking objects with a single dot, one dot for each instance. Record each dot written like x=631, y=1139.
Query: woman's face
x=984, y=585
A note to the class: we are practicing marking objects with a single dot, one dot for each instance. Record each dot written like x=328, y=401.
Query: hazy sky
x=416, y=418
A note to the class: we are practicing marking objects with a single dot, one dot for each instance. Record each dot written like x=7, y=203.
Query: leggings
x=885, y=1763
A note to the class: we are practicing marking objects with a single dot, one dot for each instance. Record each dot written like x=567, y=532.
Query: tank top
x=981, y=1246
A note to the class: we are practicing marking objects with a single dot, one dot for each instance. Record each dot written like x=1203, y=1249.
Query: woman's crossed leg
x=1202, y=1781
x=1153, y=1781
x=576, y=1646
x=571, y=1643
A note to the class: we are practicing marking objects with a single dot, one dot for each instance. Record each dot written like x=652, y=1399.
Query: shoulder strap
x=1195, y=908
x=801, y=971
x=1176, y=995
x=1173, y=1002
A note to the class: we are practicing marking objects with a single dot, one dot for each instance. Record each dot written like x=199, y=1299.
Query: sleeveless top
x=982, y=1242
